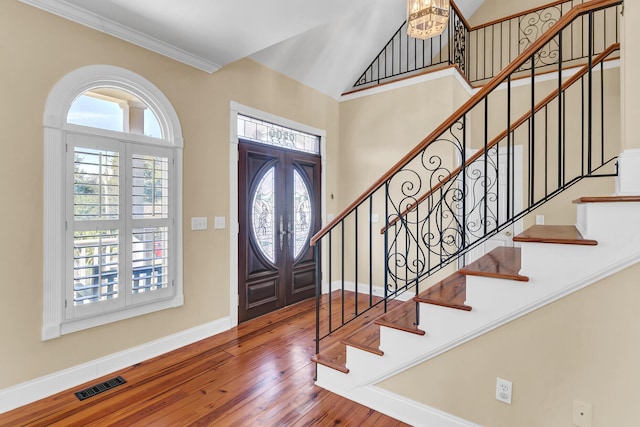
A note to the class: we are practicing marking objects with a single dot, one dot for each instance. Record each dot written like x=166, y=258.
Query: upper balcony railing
x=404, y=55
x=482, y=51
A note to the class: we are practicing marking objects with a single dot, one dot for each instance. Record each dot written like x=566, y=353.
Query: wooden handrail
x=461, y=16
x=562, y=23
x=516, y=15
x=581, y=72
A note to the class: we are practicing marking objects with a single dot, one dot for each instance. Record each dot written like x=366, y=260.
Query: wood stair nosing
x=450, y=292
x=501, y=263
x=607, y=199
x=559, y=234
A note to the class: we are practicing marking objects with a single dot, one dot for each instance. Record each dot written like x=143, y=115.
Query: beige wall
x=376, y=131
x=582, y=347
x=630, y=81
x=37, y=49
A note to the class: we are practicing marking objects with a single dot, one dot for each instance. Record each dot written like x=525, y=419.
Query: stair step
x=502, y=263
x=402, y=318
x=333, y=351
x=607, y=199
x=450, y=292
x=366, y=338
x=562, y=234
x=334, y=356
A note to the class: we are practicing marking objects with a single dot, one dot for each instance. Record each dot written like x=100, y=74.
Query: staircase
x=438, y=209
x=552, y=262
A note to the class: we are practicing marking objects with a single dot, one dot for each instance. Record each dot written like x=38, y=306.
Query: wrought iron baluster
x=355, y=259
x=342, y=269
x=370, y=251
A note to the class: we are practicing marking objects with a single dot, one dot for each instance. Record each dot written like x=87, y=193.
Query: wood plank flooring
x=257, y=374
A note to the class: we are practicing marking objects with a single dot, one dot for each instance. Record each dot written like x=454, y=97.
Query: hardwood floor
x=257, y=374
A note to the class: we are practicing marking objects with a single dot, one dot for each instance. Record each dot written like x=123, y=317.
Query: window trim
x=57, y=106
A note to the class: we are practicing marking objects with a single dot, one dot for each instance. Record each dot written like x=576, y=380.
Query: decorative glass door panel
x=263, y=215
x=278, y=207
x=302, y=214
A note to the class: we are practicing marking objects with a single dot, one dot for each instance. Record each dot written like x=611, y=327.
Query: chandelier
x=427, y=18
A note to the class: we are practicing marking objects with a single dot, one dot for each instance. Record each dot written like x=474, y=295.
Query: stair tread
x=334, y=356
x=450, y=292
x=502, y=263
x=366, y=338
x=607, y=199
x=563, y=234
x=402, y=318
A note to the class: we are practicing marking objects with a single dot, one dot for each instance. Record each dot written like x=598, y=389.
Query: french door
x=279, y=211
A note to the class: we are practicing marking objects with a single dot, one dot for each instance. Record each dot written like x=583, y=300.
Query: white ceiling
x=324, y=44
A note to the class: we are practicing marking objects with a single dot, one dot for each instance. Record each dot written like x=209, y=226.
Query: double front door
x=278, y=205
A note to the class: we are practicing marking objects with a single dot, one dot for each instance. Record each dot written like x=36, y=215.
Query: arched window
x=112, y=208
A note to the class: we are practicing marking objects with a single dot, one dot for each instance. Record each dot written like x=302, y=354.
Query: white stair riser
x=608, y=221
x=545, y=261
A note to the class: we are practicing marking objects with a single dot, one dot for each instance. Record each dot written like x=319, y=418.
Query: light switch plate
x=199, y=223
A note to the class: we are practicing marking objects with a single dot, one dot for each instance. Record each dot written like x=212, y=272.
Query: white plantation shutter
x=120, y=223
x=151, y=215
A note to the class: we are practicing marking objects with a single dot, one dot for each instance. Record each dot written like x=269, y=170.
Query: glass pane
x=96, y=176
x=95, y=266
x=150, y=186
x=114, y=109
x=151, y=124
x=150, y=259
x=302, y=214
x=263, y=215
x=96, y=112
x=279, y=136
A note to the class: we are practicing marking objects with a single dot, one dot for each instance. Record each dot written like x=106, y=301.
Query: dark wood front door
x=279, y=211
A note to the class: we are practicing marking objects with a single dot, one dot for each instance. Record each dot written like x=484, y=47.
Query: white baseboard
x=363, y=288
x=405, y=410
x=39, y=388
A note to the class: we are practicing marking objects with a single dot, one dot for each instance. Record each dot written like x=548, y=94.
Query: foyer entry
x=279, y=211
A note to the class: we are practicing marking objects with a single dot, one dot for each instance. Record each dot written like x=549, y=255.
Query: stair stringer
x=495, y=302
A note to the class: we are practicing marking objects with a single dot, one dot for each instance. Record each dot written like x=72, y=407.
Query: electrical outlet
x=540, y=219
x=375, y=218
x=504, y=390
x=581, y=414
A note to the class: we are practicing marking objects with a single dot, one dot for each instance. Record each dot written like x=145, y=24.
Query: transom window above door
x=257, y=130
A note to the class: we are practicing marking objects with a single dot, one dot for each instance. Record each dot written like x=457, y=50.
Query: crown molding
x=112, y=28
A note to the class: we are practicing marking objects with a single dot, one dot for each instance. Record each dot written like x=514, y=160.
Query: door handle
x=282, y=232
x=508, y=233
